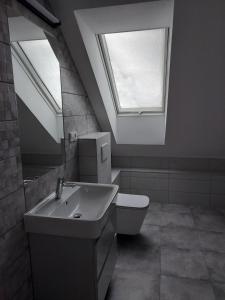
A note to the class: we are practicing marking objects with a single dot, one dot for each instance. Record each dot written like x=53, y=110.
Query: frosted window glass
x=137, y=60
x=45, y=63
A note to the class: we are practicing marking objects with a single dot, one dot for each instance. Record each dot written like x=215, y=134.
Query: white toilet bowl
x=130, y=213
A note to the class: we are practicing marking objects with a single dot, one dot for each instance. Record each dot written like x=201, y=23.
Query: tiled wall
x=171, y=180
x=14, y=257
x=15, y=273
x=77, y=111
x=171, y=163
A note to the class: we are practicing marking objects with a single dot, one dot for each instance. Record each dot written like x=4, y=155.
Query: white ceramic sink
x=81, y=211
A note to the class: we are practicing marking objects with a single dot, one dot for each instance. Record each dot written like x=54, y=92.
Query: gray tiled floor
x=179, y=255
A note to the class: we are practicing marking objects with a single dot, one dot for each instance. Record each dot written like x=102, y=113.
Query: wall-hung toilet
x=130, y=213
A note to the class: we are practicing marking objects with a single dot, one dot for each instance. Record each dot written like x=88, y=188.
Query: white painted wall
x=142, y=130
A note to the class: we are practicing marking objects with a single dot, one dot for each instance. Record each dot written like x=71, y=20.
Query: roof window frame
x=105, y=57
x=24, y=61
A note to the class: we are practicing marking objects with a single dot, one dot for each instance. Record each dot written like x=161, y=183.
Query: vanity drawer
x=103, y=245
x=107, y=271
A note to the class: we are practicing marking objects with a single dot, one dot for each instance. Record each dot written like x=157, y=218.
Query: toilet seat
x=130, y=201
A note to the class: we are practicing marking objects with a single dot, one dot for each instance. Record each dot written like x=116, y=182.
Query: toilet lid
x=132, y=201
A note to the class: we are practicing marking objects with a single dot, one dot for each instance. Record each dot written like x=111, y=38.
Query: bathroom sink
x=81, y=211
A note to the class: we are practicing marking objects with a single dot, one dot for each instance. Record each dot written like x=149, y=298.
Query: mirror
x=36, y=72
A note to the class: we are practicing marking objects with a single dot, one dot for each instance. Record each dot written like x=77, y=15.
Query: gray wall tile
x=189, y=186
x=91, y=178
x=4, y=31
x=195, y=199
x=154, y=196
x=8, y=104
x=11, y=178
x=142, y=173
x=189, y=175
x=71, y=150
x=125, y=182
x=92, y=123
x=6, y=74
x=188, y=164
x=121, y=162
x=9, y=139
x=75, y=105
x=75, y=123
x=149, y=162
x=42, y=187
x=217, y=201
x=71, y=82
x=88, y=165
x=217, y=164
x=72, y=170
x=12, y=209
x=87, y=147
x=184, y=187
x=218, y=185
x=149, y=183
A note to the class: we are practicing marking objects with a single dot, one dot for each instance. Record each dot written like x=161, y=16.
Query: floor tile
x=133, y=285
x=216, y=265
x=210, y=222
x=183, y=263
x=178, y=208
x=180, y=237
x=172, y=288
x=186, y=246
x=212, y=241
x=139, y=258
x=176, y=219
x=165, y=218
x=219, y=290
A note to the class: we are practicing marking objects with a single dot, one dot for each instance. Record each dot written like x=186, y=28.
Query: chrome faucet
x=59, y=188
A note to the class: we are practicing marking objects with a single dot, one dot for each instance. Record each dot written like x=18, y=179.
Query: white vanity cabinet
x=66, y=268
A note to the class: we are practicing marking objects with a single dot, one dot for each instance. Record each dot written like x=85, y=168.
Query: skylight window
x=45, y=63
x=136, y=66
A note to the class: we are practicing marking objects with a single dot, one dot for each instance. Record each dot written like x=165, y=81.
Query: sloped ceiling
x=196, y=111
